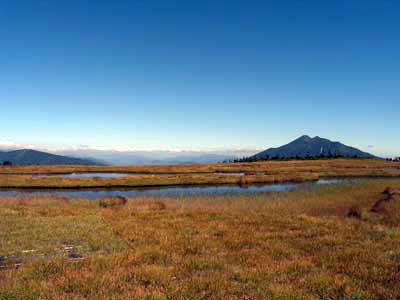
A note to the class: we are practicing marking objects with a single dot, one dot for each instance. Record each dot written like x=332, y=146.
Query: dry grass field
x=294, y=245
x=260, y=172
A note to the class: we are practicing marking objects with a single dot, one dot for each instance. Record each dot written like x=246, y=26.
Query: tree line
x=296, y=157
x=396, y=159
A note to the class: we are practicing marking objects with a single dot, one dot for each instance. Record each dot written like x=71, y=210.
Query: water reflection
x=177, y=191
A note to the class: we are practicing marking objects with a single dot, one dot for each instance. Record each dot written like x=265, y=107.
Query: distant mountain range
x=33, y=157
x=160, y=157
x=87, y=157
x=306, y=147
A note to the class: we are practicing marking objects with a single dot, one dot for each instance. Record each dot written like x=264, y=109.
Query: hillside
x=306, y=147
x=33, y=157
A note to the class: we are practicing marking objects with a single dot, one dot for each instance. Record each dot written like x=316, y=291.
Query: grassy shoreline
x=263, y=172
x=174, y=183
x=264, y=166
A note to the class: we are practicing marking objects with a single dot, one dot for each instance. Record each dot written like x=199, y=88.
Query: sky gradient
x=199, y=75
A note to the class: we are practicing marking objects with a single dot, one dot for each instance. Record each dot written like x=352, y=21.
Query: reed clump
x=115, y=201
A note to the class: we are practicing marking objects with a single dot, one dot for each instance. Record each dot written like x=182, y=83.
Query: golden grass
x=295, y=245
x=264, y=166
x=260, y=172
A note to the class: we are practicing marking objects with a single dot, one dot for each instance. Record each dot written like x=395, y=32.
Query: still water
x=176, y=191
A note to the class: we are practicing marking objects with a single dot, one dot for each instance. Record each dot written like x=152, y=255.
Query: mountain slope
x=307, y=147
x=33, y=157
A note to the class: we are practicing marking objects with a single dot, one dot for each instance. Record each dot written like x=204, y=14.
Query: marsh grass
x=197, y=174
x=294, y=245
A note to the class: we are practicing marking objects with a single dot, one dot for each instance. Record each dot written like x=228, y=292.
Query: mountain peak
x=304, y=138
x=307, y=147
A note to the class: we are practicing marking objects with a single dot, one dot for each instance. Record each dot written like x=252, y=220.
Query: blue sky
x=199, y=74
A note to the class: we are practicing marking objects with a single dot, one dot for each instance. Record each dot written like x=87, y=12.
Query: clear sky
x=199, y=74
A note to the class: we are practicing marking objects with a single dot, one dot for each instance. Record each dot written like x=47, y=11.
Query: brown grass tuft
x=112, y=201
x=388, y=195
x=354, y=212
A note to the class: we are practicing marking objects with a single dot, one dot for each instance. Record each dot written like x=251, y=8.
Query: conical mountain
x=307, y=147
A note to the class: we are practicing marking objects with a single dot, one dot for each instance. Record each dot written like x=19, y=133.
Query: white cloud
x=84, y=150
x=12, y=145
x=9, y=145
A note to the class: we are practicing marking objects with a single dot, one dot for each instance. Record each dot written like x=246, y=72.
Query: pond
x=176, y=191
x=229, y=174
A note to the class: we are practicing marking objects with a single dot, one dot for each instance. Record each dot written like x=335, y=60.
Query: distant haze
x=132, y=157
x=159, y=157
